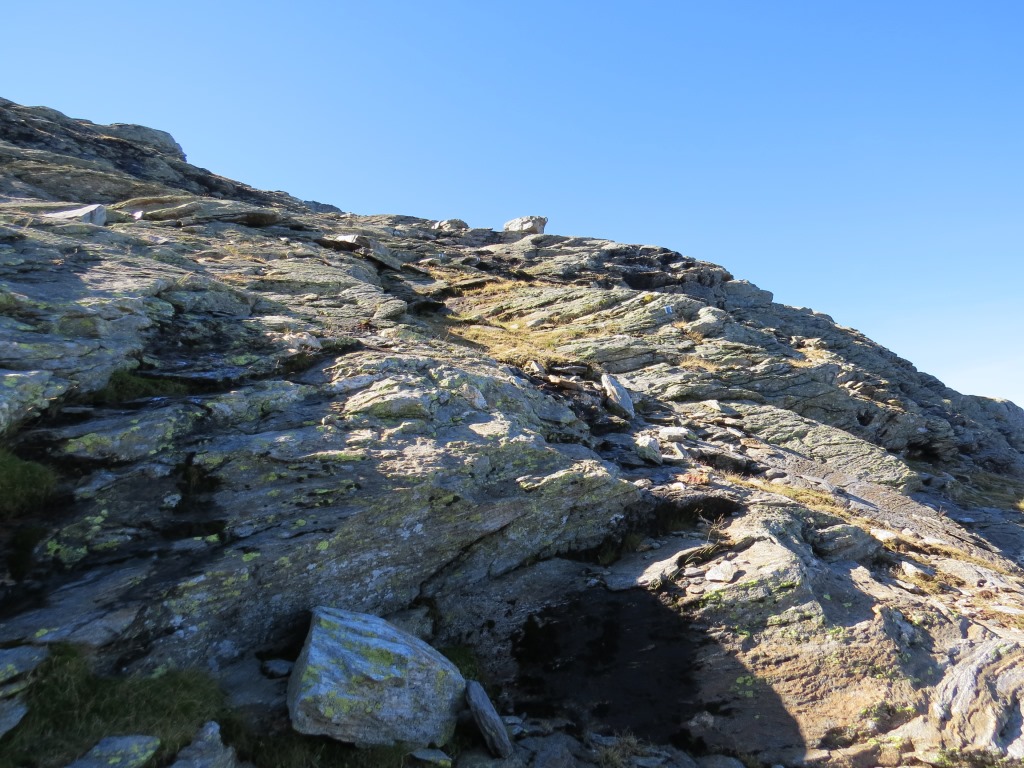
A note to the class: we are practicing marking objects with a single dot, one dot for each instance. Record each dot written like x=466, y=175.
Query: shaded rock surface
x=487, y=720
x=208, y=751
x=256, y=406
x=120, y=751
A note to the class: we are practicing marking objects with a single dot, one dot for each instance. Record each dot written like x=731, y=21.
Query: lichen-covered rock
x=119, y=752
x=16, y=664
x=362, y=680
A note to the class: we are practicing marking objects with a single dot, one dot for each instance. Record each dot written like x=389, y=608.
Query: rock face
x=256, y=406
x=361, y=680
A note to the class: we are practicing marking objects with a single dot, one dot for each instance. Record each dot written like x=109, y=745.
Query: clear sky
x=859, y=157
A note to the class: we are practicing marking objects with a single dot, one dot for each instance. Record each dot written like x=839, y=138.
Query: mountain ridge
x=462, y=429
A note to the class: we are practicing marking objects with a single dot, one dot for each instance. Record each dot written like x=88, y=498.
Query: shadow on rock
x=624, y=661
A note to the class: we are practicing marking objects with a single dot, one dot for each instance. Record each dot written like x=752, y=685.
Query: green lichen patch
x=24, y=485
x=70, y=709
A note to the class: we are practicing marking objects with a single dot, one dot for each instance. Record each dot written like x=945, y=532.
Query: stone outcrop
x=646, y=495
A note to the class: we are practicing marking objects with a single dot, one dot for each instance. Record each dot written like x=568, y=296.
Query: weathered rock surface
x=120, y=751
x=207, y=751
x=257, y=406
x=362, y=680
x=16, y=664
x=527, y=224
x=487, y=720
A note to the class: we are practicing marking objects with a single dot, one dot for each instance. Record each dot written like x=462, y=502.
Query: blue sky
x=862, y=158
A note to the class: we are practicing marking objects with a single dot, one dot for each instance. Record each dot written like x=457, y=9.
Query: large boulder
x=361, y=680
x=530, y=225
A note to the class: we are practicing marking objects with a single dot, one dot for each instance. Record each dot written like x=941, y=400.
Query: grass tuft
x=621, y=753
x=819, y=501
x=288, y=749
x=464, y=658
x=24, y=485
x=70, y=709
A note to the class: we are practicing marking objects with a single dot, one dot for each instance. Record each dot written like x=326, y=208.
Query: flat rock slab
x=487, y=720
x=12, y=710
x=90, y=214
x=15, y=662
x=119, y=752
x=361, y=680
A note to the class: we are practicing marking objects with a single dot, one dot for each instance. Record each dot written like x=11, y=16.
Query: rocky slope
x=646, y=496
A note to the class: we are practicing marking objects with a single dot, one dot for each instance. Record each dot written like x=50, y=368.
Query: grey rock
x=845, y=542
x=676, y=434
x=120, y=751
x=361, y=680
x=723, y=572
x=345, y=242
x=619, y=400
x=89, y=214
x=486, y=717
x=207, y=751
x=719, y=761
x=451, y=225
x=648, y=448
x=140, y=134
x=318, y=207
x=555, y=750
x=20, y=661
x=275, y=668
x=12, y=710
x=527, y=225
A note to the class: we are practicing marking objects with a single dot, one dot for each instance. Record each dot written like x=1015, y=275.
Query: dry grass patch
x=812, y=358
x=987, y=489
x=514, y=345
x=697, y=364
x=819, y=501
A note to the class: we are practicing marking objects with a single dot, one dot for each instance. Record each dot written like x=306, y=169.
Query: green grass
x=288, y=749
x=464, y=658
x=71, y=709
x=125, y=385
x=24, y=485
